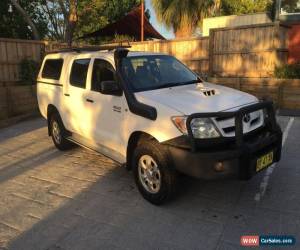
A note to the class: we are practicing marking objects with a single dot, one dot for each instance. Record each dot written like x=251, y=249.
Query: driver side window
x=102, y=71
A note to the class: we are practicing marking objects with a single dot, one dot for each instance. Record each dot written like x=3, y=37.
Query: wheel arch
x=134, y=140
x=51, y=109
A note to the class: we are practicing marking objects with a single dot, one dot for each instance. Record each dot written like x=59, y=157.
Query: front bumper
x=198, y=158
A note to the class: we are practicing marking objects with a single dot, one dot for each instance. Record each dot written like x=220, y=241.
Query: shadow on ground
x=80, y=200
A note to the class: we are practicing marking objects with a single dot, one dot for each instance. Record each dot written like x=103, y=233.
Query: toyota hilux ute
x=151, y=113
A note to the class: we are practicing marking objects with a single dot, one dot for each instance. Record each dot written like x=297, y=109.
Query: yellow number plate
x=264, y=161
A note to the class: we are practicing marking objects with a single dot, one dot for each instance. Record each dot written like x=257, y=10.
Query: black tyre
x=154, y=174
x=58, y=133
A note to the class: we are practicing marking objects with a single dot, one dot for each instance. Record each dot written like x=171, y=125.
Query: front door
x=106, y=115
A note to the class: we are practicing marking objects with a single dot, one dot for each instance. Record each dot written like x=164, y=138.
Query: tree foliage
x=61, y=20
x=290, y=6
x=28, y=71
x=12, y=24
x=239, y=7
x=183, y=16
x=291, y=71
x=95, y=14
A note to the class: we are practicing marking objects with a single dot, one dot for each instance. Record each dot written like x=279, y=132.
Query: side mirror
x=110, y=88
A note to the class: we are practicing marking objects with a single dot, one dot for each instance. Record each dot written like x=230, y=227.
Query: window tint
x=102, y=71
x=52, y=69
x=79, y=72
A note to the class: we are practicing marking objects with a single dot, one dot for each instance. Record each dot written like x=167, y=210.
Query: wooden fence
x=17, y=100
x=284, y=92
x=193, y=52
x=248, y=51
x=12, y=51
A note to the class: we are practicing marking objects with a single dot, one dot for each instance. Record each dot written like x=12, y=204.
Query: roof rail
x=90, y=49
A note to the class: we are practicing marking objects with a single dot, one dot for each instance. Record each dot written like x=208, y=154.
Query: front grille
x=255, y=121
x=229, y=129
x=227, y=125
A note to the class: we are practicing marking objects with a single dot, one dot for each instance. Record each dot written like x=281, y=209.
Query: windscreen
x=156, y=71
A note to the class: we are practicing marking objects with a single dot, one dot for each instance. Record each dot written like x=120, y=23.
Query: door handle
x=67, y=94
x=89, y=100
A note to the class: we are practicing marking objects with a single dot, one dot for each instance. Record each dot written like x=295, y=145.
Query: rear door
x=75, y=95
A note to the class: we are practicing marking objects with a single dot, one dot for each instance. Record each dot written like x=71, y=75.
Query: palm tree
x=183, y=15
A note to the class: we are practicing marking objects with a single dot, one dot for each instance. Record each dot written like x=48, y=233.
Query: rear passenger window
x=79, y=72
x=52, y=69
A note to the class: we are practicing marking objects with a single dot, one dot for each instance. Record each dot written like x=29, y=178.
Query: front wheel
x=155, y=177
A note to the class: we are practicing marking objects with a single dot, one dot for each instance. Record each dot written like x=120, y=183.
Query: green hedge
x=291, y=71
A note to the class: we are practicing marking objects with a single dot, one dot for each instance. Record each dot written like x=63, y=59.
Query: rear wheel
x=155, y=177
x=58, y=133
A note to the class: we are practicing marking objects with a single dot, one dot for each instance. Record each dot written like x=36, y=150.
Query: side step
x=113, y=155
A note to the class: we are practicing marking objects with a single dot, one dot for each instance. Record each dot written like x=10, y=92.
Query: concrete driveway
x=81, y=200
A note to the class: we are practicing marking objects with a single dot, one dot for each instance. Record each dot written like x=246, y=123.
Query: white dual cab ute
x=152, y=113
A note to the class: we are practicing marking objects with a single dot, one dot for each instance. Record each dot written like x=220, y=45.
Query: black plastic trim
x=239, y=162
x=134, y=105
x=197, y=157
x=88, y=49
x=50, y=83
x=211, y=145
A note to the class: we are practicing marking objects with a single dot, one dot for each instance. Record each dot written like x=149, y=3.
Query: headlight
x=203, y=128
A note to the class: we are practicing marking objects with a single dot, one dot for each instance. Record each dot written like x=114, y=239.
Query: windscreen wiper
x=175, y=84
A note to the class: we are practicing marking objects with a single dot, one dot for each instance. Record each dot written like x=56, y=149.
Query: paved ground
x=81, y=200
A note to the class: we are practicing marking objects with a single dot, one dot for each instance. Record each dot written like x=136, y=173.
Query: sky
x=160, y=28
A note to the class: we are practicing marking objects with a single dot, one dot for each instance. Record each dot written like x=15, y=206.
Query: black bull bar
x=270, y=123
